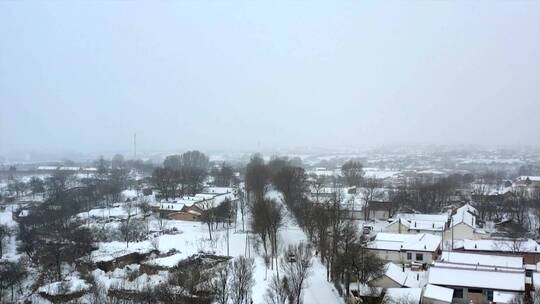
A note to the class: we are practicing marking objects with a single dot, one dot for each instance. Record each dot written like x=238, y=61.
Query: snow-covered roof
x=395, y=273
x=481, y=259
x=71, y=284
x=476, y=278
x=220, y=198
x=109, y=251
x=413, y=279
x=438, y=293
x=402, y=295
x=428, y=222
x=531, y=178
x=203, y=196
x=528, y=245
x=425, y=225
x=469, y=208
x=47, y=167
x=168, y=262
x=413, y=242
x=172, y=206
x=442, y=218
x=477, y=267
x=65, y=168
x=463, y=215
x=218, y=190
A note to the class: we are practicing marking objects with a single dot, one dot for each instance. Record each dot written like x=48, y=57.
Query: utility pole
x=228, y=224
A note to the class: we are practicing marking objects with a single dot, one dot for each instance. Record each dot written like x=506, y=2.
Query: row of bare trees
x=327, y=223
x=234, y=282
x=181, y=174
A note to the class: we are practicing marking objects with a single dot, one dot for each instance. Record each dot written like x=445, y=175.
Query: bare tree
x=275, y=222
x=318, y=186
x=208, y=215
x=353, y=173
x=37, y=186
x=222, y=284
x=223, y=175
x=127, y=228
x=257, y=178
x=242, y=280
x=278, y=291
x=365, y=265
x=292, y=183
x=11, y=277
x=260, y=223
x=242, y=204
x=117, y=161
x=144, y=205
x=297, y=270
x=371, y=191
x=4, y=233
x=166, y=181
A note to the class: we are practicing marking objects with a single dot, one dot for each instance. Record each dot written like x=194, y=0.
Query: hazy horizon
x=85, y=76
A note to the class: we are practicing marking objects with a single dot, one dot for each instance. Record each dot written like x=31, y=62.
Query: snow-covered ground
x=10, y=248
x=193, y=237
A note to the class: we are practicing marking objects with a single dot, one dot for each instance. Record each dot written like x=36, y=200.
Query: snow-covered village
x=272, y=229
x=270, y=152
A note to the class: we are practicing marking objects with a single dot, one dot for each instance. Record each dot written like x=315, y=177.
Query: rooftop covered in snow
x=481, y=259
x=503, y=245
x=477, y=278
x=402, y=242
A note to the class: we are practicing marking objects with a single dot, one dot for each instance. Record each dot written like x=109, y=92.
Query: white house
x=418, y=223
x=463, y=224
x=460, y=225
x=406, y=248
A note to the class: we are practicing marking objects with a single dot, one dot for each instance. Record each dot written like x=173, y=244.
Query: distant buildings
x=458, y=225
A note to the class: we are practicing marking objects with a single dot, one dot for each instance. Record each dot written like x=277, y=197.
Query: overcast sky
x=86, y=75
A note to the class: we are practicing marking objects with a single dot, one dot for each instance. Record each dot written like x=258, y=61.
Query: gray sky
x=86, y=75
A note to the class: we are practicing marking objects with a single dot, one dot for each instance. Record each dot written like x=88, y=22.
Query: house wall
x=379, y=214
x=471, y=298
x=428, y=257
x=183, y=216
x=388, y=255
x=530, y=258
x=400, y=257
x=385, y=282
x=461, y=232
